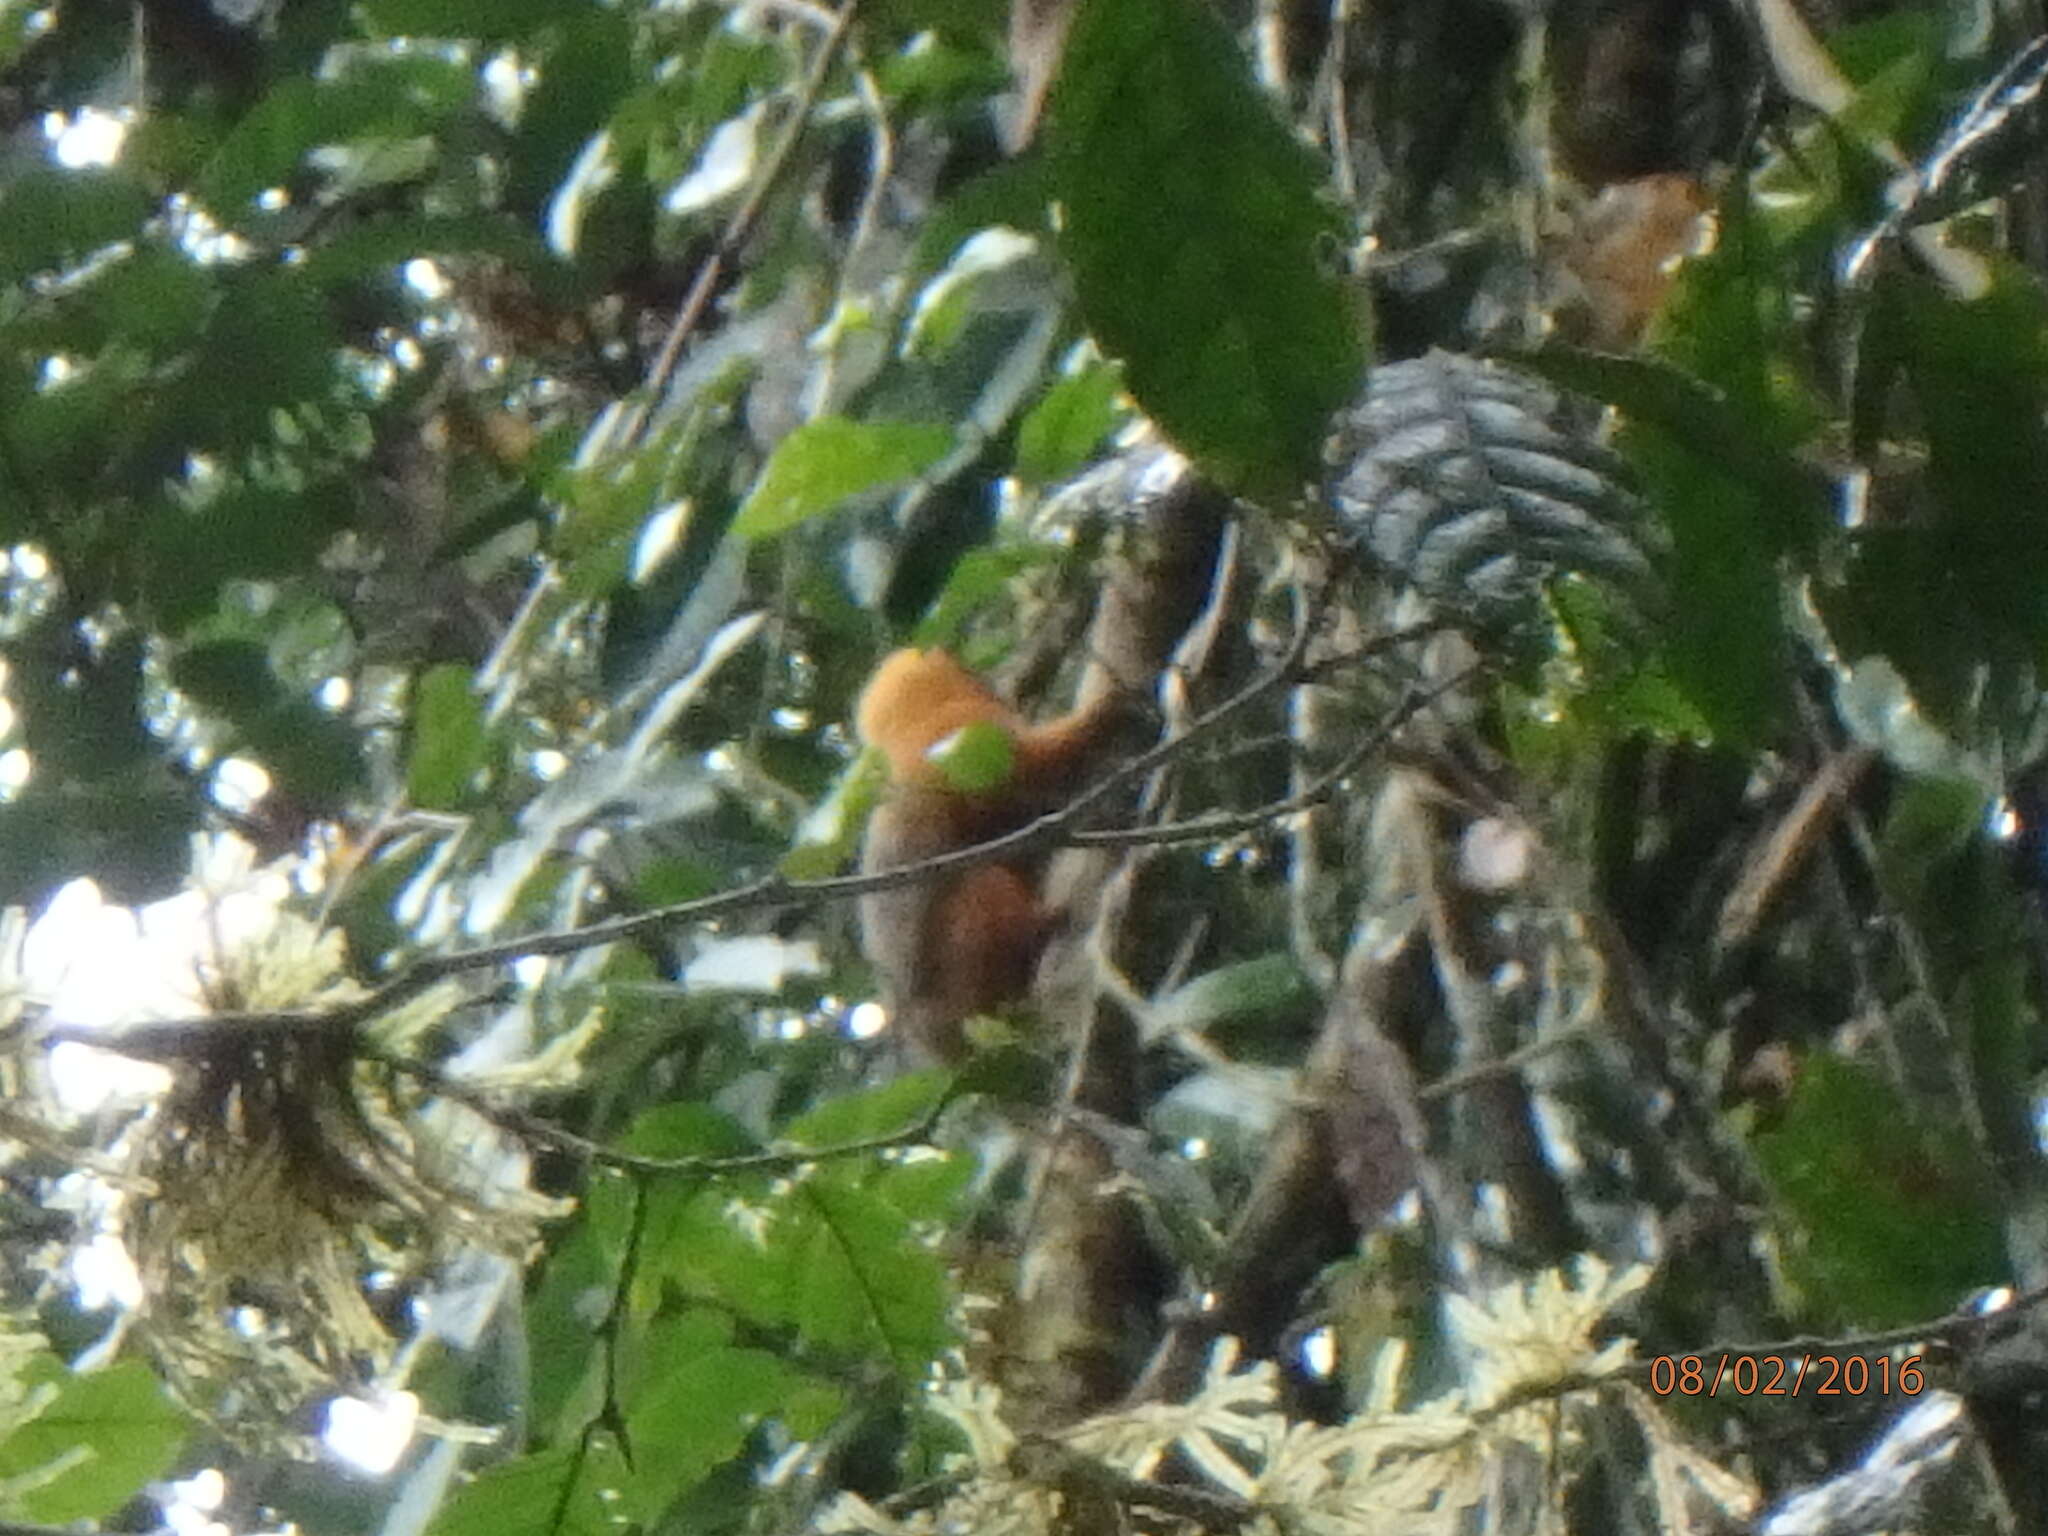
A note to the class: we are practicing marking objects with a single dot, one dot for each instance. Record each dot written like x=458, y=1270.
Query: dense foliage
x=1562, y=485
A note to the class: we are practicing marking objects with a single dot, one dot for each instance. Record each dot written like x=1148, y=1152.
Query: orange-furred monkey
x=949, y=948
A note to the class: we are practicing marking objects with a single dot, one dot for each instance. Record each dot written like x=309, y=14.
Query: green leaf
x=448, y=738
x=1203, y=253
x=1013, y=193
x=73, y=434
x=130, y=833
x=1660, y=393
x=244, y=530
x=1061, y=433
x=874, y=1112
x=822, y=1253
x=609, y=504
x=231, y=676
x=1726, y=642
x=830, y=833
x=1979, y=370
x=152, y=300
x=272, y=337
x=1896, y=63
x=1965, y=582
x=1711, y=431
x=855, y=1275
x=666, y=880
x=687, y=1130
x=1884, y=1222
x=976, y=758
x=924, y=1187
x=119, y=1418
x=810, y=1408
x=1728, y=322
x=977, y=19
x=485, y=20
x=20, y=26
x=562, y=1314
x=51, y=219
x=82, y=722
x=1269, y=989
x=1928, y=823
x=559, y=1492
x=697, y=1401
x=824, y=463
x=315, y=754
x=379, y=245
x=934, y=75
x=979, y=578
x=583, y=78
x=389, y=99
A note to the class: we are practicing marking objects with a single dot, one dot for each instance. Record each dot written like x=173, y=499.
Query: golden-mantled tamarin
x=961, y=944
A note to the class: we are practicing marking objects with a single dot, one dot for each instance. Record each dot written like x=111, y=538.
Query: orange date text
x=1804, y=1375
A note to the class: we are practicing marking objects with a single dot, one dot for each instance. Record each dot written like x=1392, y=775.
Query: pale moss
x=1425, y=1470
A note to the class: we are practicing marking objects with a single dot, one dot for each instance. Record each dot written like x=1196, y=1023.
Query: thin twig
x=1230, y=823
x=537, y=1131
x=867, y=222
x=739, y=227
x=1513, y=1061
x=1955, y=1325
x=1082, y=1480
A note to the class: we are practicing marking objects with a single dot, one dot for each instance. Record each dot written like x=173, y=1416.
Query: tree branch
x=176, y=1039
x=536, y=1130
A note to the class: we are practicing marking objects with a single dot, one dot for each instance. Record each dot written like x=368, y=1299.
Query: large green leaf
x=1710, y=433
x=1965, y=582
x=1955, y=887
x=853, y=1275
x=897, y=1104
x=836, y=1262
x=1059, y=434
x=99, y=801
x=565, y=1491
x=395, y=97
x=149, y=301
x=1658, y=392
x=1203, y=253
x=823, y=463
x=270, y=345
x=574, y=1289
x=584, y=77
x=130, y=832
x=115, y=1426
x=80, y=721
x=698, y=1398
x=448, y=738
x=243, y=530
x=50, y=219
x=71, y=434
x=1726, y=641
x=1883, y=1221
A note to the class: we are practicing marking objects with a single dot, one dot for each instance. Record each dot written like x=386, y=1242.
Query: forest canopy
x=1128, y=765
